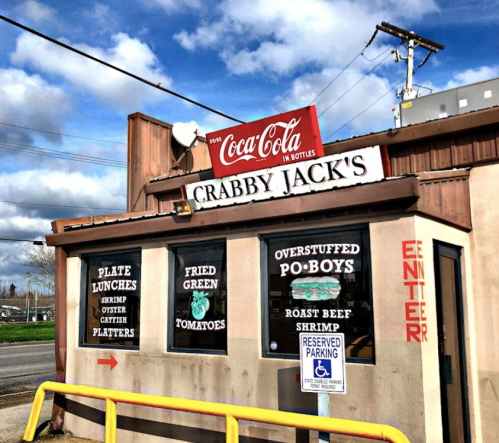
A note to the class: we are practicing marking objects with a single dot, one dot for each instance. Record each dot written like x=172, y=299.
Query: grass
x=19, y=332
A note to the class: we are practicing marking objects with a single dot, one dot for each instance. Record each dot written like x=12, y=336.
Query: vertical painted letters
x=415, y=306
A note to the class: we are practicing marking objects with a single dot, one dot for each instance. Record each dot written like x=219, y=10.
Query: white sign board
x=322, y=174
x=322, y=362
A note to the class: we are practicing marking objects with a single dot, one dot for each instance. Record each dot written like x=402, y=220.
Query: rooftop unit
x=444, y=104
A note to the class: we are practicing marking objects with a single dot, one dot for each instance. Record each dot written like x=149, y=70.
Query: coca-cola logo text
x=268, y=143
x=278, y=140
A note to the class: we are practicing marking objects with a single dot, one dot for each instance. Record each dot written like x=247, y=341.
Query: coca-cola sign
x=285, y=138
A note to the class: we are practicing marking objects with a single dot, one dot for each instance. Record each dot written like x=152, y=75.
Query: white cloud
x=334, y=111
x=314, y=39
x=19, y=225
x=22, y=224
x=51, y=187
x=214, y=122
x=465, y=13
x=105, y=83
x=282, y=36
x=28, y=100
x=174, y=6
x=36, y=11
x=12, y=269
x=103, y=17
x=473, y=76
x=463, y=78
x=56, y=187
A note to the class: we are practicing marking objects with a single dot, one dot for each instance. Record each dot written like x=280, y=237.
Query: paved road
x=22, y=368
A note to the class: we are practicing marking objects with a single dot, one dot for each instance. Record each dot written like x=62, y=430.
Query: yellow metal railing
x=232, y=414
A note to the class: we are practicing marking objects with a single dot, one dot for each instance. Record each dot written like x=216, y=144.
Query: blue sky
x=247, y=58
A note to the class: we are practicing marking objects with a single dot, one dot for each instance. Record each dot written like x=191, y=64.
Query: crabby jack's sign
x=334, y=171
x=279, y=140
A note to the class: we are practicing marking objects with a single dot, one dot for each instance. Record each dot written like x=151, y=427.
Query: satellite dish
x=185, y=133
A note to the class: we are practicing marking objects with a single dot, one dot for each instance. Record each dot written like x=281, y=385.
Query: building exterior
x=210, y=306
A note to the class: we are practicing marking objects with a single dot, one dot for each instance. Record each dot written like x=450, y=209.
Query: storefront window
x=112, y=299
x=199, y=298
x=319, y=282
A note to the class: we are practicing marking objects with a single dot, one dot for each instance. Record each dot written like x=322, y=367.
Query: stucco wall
x=429, y=231
x=485, y=252
x=400, y=389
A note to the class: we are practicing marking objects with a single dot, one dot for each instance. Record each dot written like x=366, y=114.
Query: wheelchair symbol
x=322, y=368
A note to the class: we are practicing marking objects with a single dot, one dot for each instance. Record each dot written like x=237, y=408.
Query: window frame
x=84, y=300
x=265, y=346
x=171, y=300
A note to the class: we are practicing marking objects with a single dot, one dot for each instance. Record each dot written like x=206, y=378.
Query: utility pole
x=413, y=40
x=27, y=289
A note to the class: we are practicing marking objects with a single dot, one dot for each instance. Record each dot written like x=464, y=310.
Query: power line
x=379, y=55
x=346, y=67
x=334, y=79
x=64, y=135
x=411, y=37
x=372, y=104
x=15, y=146
x=353, y=86
x=84, y=157
x=360, y=113
x=59, y=206
x=31, y=151
x=136, y=77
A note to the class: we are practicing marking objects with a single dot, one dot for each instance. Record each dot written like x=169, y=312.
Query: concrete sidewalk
x=13, y=424
x=14, y=420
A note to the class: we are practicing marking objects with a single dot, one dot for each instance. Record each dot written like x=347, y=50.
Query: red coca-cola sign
x=285, y=138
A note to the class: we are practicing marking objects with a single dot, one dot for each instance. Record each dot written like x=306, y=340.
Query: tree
x=41, y=263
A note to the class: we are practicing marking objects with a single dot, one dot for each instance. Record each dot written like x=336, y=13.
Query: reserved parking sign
x=322, y=363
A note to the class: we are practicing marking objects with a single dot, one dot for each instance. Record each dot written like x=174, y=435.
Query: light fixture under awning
x=184, y=207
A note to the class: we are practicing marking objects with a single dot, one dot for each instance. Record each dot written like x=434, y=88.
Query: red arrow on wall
x=108, y=361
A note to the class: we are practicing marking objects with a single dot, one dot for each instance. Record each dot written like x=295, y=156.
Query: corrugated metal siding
x=448, y=199
x=450, y=151
x=166, y=200
x=149, y=154
x=462, y=150
x=409, y=158
x=441, y=157
x=152, y=152
x=486, y=145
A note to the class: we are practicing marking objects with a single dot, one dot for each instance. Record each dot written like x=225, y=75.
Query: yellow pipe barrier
x=111, y=420
x=232, y=413
x=231, y=429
